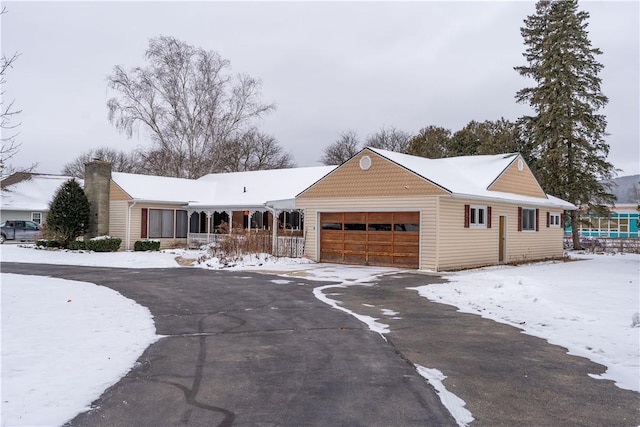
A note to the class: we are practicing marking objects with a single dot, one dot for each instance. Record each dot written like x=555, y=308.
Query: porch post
x=189, y=214
x=274, y=232
x=208, y=214
x=230, y=216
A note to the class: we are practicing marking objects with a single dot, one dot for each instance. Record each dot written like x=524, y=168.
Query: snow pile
x=63, y=344
x=453, y=403
x=587, y=306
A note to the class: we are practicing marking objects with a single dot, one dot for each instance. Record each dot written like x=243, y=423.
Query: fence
x=287, y=246
x=606, y=244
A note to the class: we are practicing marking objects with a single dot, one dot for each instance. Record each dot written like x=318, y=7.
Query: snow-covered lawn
x=63, y=344
x=587, y=306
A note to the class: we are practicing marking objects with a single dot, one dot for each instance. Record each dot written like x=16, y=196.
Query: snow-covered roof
x=468, y=176
x=150, y=188
x=277, y=188
x=33, y=194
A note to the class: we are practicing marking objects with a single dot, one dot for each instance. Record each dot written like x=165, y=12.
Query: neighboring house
x=378, y=208
x=386, y=208
x=622, y=221
x=26, y=196
x=172, y=210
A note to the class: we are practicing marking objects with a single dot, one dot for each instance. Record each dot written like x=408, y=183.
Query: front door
x=502, y=240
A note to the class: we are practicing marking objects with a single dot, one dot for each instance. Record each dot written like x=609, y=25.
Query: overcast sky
x=329, y=67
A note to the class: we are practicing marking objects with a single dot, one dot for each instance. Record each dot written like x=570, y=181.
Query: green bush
x=146, y=245
x=68, y=215
x=48, y=243
x=77, y=245
x=103, y=244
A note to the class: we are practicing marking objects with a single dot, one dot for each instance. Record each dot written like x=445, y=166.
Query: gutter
x=568, y=206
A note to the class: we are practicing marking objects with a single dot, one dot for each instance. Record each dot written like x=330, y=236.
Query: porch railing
x=287, y=246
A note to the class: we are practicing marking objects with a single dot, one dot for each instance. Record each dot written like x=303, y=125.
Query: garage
x=370, y=238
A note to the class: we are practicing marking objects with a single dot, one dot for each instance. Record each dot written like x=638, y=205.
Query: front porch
x=277, y=232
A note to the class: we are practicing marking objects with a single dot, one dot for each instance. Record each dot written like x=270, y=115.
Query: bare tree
x=254, y=151
x=391, y=139
x=120, y=161
x=188, y=103
x=342, y=150
x=10, y=146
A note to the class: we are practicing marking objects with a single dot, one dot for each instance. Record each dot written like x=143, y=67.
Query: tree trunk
x=574, y=230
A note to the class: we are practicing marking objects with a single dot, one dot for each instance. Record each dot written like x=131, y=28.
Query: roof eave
x=542, y=202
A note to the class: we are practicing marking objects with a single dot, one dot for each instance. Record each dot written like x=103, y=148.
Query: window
x=181, y=224
x=477, y=216
x=528, y=222
x=36, y=217
x=331, y=226
x=554, y=220
x=166, y=223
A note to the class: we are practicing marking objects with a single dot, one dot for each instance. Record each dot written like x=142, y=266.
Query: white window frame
x=33, y=215
x=532, y=227
x=474, y=216
x=554, y=220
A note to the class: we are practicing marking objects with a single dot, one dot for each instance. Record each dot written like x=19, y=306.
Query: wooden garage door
x=370, y=238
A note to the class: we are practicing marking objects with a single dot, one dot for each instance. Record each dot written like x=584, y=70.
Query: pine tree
x=68, y=215
x=566, y=133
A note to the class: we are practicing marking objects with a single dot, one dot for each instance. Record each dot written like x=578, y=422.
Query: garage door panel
x=354, y=258
x=408, y=261
x=380, y=248
x=380, y=237
x=410, y=217
x=406, y=237
x=355, y=236
x=355, y=217
x=355, y=247
x=380, y=259
x=380, y=217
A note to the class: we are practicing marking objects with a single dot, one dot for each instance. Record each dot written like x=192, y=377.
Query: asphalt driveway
x=249, y=349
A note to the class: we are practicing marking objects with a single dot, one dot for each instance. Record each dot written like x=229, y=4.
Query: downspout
x=128, y=233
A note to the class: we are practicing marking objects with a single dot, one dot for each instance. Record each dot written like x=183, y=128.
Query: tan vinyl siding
x=118, y=221
x=425, y=205
x=473, y=247
x=464, y=247
x=383, y=179
x=116, y=193
x=523, y=246
x=515, y=181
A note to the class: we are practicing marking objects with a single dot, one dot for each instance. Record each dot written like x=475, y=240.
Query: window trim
x=554, y=220
x=531, y=228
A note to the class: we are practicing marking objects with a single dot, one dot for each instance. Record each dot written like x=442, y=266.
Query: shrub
x=48, y=243
x=146, y=245
x=77, y=245
x=103, y=244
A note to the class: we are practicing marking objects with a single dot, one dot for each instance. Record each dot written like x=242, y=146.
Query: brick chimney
x=97, y=181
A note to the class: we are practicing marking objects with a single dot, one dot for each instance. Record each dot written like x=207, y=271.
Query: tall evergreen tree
x=431, y=142
x=68, y=215
x=566, y=133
